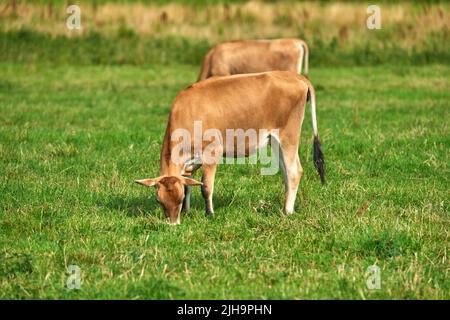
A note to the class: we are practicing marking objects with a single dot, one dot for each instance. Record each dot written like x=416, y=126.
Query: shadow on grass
x=132, y=206
x=136, y=206
x=219, y=201
x=148, y=206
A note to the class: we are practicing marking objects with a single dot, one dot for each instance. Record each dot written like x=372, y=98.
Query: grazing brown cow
x=271, y=102
x=250, y=56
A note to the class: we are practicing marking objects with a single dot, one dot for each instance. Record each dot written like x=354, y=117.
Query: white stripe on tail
x=312, y=96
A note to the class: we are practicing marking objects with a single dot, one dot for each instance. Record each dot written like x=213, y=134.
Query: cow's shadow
x=133, y=206
x=147, y=205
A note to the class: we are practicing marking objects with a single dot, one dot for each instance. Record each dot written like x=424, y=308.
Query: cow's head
x=170, y=193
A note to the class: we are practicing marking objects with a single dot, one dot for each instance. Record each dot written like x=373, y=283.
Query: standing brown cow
x=251, y=56
x=271, y=102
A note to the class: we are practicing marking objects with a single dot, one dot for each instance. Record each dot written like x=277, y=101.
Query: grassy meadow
x=82, y=116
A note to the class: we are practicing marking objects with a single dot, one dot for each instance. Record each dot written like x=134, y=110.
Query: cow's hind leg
x=292, y=170
x=209, y=173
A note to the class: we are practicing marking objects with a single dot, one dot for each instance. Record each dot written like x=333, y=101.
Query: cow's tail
x=305, y=57
x=305, y=46
x=319, y=161
x=205, y=72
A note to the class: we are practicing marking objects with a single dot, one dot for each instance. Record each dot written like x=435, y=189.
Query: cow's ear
x=190, y=182
x=149, y=182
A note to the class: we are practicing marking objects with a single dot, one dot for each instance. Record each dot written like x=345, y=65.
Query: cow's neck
x=167, y=166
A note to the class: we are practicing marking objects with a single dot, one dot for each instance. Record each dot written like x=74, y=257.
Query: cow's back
x=254, y=56
x=263, y=100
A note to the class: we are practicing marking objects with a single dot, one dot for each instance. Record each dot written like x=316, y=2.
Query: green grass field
x=73, y=139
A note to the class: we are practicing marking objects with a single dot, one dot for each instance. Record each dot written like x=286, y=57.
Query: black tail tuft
x=319, y=161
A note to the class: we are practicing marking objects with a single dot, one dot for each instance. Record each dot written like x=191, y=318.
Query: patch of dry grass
x=405, y=24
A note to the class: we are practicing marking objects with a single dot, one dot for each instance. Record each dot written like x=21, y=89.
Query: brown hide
x=269, y=100
x=252, y=56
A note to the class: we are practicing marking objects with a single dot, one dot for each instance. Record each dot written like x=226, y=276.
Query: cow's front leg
x=187, y=199
x=209, y=172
